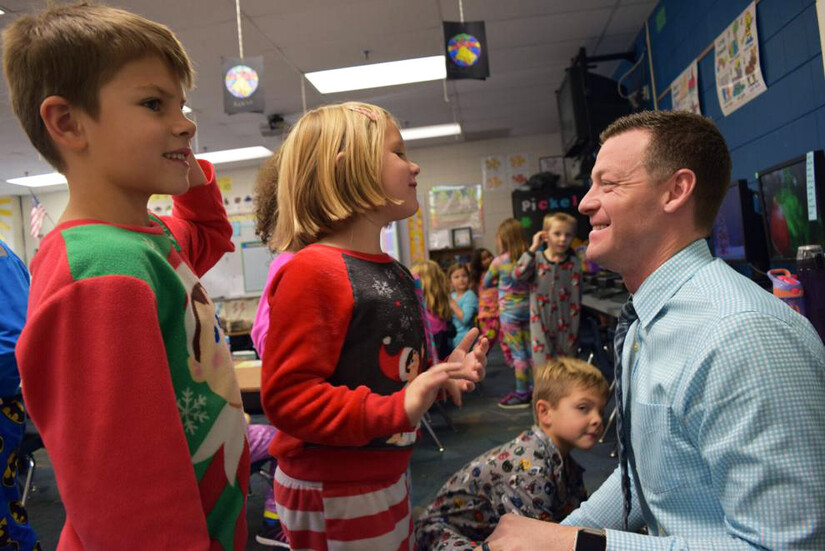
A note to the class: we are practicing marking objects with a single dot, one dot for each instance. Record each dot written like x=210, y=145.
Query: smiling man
x=722, y=386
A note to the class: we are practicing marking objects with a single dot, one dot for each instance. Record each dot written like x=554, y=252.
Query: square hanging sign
x=243, y=87
x=466, y=50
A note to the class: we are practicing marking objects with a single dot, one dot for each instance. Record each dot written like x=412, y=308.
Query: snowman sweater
x=346, y=334
x=128, y=379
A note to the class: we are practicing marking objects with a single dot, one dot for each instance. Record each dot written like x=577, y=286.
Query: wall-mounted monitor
x=587, y=104
x=792, y=204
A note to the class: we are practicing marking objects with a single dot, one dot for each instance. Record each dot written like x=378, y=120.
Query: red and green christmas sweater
x=346, y=334
x=128, y=379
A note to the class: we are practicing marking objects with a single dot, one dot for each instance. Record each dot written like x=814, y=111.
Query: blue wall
x=785, y=121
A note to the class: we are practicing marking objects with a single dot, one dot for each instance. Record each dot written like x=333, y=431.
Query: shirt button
x=635, y=347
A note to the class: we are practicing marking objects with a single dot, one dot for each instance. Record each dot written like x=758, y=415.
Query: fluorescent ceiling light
x=41, y=180
x=232, y=155
x=436, y=131
x=214, y=157
x=392, y=73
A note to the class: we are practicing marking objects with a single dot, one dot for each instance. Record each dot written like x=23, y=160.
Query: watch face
x=590, y=541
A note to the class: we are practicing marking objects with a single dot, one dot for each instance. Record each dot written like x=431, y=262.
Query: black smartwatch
x=588, y=539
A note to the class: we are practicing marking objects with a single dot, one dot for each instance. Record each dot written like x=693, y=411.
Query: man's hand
x=517, y=533
x=196, y=175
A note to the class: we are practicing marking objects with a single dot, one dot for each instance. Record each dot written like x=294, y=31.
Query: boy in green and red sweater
x=125, y=370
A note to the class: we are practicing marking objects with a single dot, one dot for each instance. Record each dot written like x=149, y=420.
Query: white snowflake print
x=192, y=411
x=382, y=288
x=406, y=321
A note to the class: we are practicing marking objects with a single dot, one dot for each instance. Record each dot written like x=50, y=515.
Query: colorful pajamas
x=488, y=322
x=260, y=437
x=336, y=516
x=514, y=315
x=526, y=476
x=555, y=303
x=15, y=531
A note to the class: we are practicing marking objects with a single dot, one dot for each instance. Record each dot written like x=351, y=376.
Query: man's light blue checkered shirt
x=726, y=404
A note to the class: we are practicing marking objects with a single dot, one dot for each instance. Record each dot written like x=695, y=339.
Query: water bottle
x=810, y=266
x=787, y=288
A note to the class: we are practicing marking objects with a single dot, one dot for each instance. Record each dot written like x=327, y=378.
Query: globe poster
x=243, y=84
x=466, y=52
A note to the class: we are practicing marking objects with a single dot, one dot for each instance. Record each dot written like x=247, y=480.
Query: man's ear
x=544, y=413
x=681, y=186
x=62, y=123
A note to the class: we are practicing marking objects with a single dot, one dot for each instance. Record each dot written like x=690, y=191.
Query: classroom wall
x=785, y=121
x=449, y=164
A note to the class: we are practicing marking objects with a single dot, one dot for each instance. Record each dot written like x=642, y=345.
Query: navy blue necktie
x=626, y=318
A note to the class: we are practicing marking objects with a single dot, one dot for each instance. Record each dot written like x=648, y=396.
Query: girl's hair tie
x=364, y=111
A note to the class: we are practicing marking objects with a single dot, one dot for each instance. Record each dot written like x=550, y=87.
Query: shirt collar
x=668, y=278
x=554, y=457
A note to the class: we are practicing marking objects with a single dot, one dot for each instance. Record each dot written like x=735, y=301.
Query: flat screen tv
x=587, y=104
x=792, y=204
x=728, y=234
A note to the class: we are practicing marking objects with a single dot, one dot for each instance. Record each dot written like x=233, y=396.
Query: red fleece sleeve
x=311, y=304
x=200, y=225
x=96, y=383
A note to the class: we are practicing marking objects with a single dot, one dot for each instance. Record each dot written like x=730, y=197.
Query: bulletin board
x=240, y=273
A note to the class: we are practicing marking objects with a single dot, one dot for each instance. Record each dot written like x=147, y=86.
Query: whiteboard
x=255, y=257
x=226, y=279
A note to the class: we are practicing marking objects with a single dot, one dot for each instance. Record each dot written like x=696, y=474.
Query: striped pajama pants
x=345, y=516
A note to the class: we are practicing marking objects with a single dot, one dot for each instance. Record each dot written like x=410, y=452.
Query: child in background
x=125, y=370
x=437, y=302
x=14, y=291
x=514, y=311
x=488, y=322
x=342, y=371
x=554, y=275
x=464, y=305
x=533, y=475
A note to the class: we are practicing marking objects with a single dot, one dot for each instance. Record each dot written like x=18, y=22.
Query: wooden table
x=248, y=373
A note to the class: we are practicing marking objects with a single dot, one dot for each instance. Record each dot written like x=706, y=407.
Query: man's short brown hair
x=73, y=50
x=680, y=139
x=558, y=377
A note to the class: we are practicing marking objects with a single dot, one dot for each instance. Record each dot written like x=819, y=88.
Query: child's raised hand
x=475, y=360
x=196, y=175
x=538, y=239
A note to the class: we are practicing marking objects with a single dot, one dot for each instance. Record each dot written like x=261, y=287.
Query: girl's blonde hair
x=435, y=287
x=328, y=170
x=560, y=217
x=511, y=237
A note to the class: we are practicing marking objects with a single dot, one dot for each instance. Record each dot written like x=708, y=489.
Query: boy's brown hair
x=680, y=139
x=72, y=51
x=557, y=377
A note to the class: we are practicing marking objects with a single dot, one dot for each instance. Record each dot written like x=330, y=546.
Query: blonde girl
x=437, y=301
x=554, y=276
x=342, y=368
x=514, y=311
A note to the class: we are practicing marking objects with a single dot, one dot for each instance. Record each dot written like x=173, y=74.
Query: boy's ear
x=544, y=413
x=62, y=123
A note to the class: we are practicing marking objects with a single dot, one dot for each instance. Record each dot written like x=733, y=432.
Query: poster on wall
x=453, y=207
x=6, y=216
x=415, y=235
x=820, y=18
x=738, y=73
x=684, y=91
x=493, y=171
x=518, y=169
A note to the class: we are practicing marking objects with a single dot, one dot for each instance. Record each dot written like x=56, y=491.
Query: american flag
x=38, y=213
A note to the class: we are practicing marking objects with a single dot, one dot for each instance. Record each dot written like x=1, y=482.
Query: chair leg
x=607, y=426
x=28, y=486
x=426, y=423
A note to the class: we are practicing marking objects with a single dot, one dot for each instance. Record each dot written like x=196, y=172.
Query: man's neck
x=634, y=277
